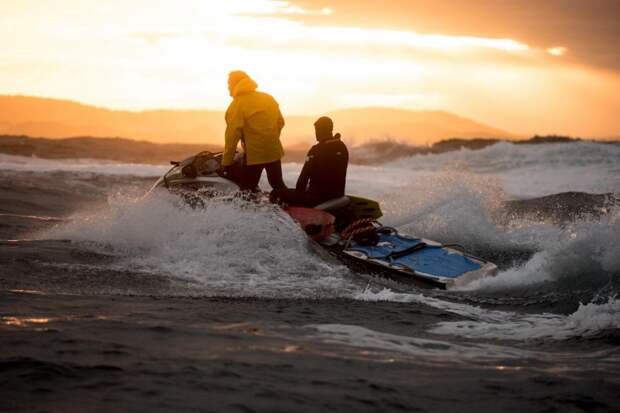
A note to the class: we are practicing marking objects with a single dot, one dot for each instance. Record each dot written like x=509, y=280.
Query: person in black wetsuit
x=324, y=173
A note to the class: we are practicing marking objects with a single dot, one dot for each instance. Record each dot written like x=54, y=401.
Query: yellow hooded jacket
x=254, y=118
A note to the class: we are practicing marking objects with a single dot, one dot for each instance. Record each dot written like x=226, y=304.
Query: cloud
x=557, y=51
x=589, y=29
x=286, y=8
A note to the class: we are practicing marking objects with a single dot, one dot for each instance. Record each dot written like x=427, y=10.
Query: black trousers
x=250, y=176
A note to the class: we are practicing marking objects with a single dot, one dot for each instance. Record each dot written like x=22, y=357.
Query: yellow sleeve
x=234, y=131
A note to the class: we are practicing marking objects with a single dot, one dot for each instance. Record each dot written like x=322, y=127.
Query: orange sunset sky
x=548, y=66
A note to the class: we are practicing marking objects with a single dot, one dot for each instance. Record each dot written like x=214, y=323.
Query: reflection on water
x=27, y=292
x=23, y=321
x=15, y=321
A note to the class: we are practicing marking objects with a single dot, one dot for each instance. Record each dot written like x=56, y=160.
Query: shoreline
x=143, y=152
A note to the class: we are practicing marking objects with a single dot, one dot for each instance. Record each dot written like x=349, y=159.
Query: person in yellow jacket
x=254, y=118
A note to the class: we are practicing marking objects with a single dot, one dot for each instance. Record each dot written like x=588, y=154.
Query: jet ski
x=348, y=228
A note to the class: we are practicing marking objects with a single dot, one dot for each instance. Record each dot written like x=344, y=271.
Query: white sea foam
x=589, y=319
x=585, y=247
x=88, y=166
x=227, y=248
x=437, y=350
x=532, y=170
x=455, y=308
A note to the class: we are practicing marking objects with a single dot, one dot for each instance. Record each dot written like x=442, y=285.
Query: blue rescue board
x=413, y=254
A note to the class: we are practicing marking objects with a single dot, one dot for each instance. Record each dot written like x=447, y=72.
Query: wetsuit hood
x=323, y=129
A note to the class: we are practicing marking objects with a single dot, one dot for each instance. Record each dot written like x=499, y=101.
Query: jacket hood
x=245, y=85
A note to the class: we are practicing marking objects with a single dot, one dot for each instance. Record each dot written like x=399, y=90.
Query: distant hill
x=113, y=149
x=55, y=118
x=407, y=126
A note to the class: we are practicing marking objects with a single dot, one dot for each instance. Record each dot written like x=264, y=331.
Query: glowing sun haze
x=312, y=56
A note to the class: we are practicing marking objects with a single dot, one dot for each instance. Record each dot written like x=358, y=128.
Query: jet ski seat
x=334, y=204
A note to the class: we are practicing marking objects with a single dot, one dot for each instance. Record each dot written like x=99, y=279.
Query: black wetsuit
x=323, y=176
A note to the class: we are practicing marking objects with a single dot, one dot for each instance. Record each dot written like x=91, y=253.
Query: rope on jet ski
x=358, y=227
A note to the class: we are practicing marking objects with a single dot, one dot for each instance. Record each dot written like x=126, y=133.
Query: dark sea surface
x=114, y=302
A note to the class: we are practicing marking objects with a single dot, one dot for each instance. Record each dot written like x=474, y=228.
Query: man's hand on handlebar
x=225, y=171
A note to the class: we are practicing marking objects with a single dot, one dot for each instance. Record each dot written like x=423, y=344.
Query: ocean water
x=542, y=335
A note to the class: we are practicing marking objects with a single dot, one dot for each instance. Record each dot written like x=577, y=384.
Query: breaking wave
x=79, y=166
x=530, y=170
x=226, y=248
x=588, y=321
x=582, y=249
